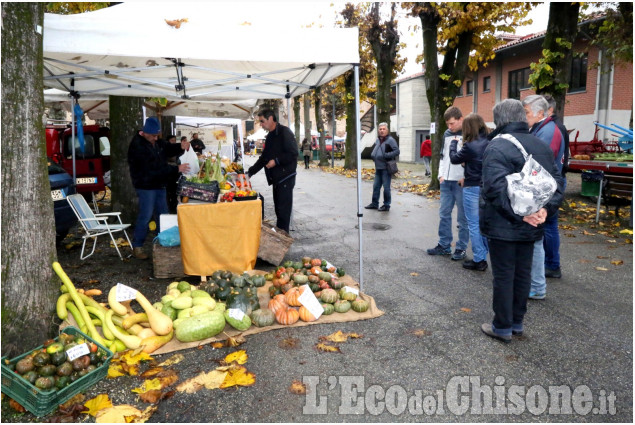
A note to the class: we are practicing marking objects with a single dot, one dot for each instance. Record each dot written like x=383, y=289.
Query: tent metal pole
x=359, y=178
x=288, y=112
x=73, y=128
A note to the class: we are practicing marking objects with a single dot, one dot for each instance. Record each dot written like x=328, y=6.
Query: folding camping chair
x=96, y=224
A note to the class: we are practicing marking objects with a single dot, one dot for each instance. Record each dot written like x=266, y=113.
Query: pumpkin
x=347, y=295
x=291, y=296
x=331, y=269
x=258, y=281
x=275, y=305
x=287, y=263
x=313, y=278
x=360, y=305
x=306, y=260
x=287, y=316
x=273, y=291
x=263, y=317
x=315, y=270
x=286, y=287
x=290, y=270
x=280, y=297
x=325, y=276
x=342, y=306
x=269, y=276
x=300, y=279
x=324, y=285
x=297, y=265
x=329, y=296
x=314, y=287
x=305, y=315
x=336, y=284
x=316, y=262
x=328, y=309
x=277, y=282
x=285, y=277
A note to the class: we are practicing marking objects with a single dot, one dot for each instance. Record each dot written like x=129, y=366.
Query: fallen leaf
x=611, y=241
x=627, y=231
x=327, y=348
x=148, y=385
x=151, y=396
x=355, y=335
x=584, y=261
x=602, y=269
x=466, y=310
x=151, y=372
x=79, y=398
x=96, y=404
x=420, y=332
x=601, y=257
x=338, y=336
x=167, y=378
x=175, y=359
x=117, y=414
x=239, y=377
x=209, y=380
x=16, y=406
x=239, y=357
x=414, y=274
x=135, y=357
x=217, y=345
x=144, y=416
x=584, y=232
x=93, y=281
x=115, y=371
x=617, y=262
x=289, y=343
x=297, y=387
x=234, y=341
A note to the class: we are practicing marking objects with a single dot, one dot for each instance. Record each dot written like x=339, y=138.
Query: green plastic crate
x=41, y=402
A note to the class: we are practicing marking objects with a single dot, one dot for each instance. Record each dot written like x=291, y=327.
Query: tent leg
x=359, y=179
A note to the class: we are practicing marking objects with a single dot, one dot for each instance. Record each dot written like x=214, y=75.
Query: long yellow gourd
x=160, y=323
x=115, y=305
x=151, y=344
x=131, y=341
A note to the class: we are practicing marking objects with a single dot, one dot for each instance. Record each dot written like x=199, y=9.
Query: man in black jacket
x=150, y=173
x=511, y=237
x=280, y=160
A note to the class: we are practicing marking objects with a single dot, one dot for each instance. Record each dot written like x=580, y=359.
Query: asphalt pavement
x=425, y=359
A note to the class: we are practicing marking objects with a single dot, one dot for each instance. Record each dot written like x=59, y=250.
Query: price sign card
x=236, y=313
x=310, y=302
x=351, y=289
x=125, y=293
x=77, y=351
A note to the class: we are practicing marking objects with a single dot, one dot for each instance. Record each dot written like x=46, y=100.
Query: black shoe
x=371, y=207
x=487, y=330
x=439, y=250
x=556, y=274
x=517, y=333
x=480, y=266
x=384, y=208
x=459, y=254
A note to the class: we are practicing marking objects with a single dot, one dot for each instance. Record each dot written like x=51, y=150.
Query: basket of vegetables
x=206, y=185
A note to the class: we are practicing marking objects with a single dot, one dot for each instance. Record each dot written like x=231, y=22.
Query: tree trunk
x=126, y=118
x=296, y=120
x=168, y=126
x=29, y=287
x=350, y=161
x=307, y=116
x=319, y=123
x=562, y=27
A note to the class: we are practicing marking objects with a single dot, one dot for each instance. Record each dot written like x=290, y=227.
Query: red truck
x=90, y=165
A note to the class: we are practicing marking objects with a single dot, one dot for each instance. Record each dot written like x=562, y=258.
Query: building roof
x=409, y=77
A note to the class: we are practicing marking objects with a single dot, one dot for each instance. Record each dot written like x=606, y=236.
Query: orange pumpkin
x=286, y=287
x=305, y=314
x=275, y=305
x=280, y=297
x=292, y=295
x=287, y=316
x=316, y=262
x=315, y=270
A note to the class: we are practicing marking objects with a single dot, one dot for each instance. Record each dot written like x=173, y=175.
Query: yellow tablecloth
x=223, y=236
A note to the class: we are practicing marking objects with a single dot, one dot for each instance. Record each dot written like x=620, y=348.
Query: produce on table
x=328, y=309
x=360, y=305
x=342, y=306
x=306, y=315
x=200, y=327
x=287, y=316
x=263, y=317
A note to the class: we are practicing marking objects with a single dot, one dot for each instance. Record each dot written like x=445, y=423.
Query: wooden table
x=222, y=236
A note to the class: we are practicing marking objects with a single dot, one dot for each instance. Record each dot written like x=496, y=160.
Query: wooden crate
x=167, y=261
x=274, y=243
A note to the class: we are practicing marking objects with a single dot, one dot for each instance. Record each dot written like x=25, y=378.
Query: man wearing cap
x=150, y=173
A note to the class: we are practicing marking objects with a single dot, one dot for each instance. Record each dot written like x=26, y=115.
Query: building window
x=460, y=93
x=487, y=81
x=577, y=81
x=469, y=88
x=518, y=80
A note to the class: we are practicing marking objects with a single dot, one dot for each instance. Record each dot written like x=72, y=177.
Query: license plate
x=57, y=194
x=86, y=180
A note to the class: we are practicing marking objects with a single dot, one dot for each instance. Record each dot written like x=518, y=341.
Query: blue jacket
x=472, y=155
x=548, y=131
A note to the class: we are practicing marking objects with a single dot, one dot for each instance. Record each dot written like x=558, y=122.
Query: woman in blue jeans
x=471, y=155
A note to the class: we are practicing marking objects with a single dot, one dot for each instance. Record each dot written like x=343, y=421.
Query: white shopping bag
x=189, y=157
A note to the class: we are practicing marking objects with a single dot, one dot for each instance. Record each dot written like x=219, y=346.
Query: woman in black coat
x=511, y=237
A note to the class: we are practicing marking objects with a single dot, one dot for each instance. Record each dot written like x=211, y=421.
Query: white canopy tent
x=184, y=51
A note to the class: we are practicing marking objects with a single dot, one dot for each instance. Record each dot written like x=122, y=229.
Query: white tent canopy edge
x=110, y=52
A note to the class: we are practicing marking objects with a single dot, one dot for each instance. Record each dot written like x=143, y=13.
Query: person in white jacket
x=451, y=182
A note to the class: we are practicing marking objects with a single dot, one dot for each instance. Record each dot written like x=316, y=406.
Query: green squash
x=223, y=293
x=360, y=305
x=287, y=263
x=346, y=295
x=263, y=317
x=241, y=325
x=297, y=265
x=238, y=281
x=258, y=281
x=226, y=274
x=328, y=309
x=340, y=272
x=314, y=287
x=240, y=301
x=342, y=306
x=329, y=296
x=273, y=291
x=217, y=274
